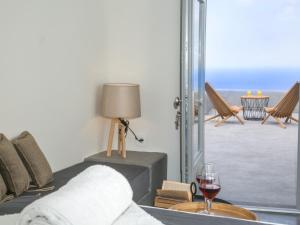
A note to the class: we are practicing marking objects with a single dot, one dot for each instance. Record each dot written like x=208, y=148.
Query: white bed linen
x=134, y=215
x=98, y=195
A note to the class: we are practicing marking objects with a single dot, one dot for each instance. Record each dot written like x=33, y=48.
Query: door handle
x=177, y=102
x=177, y=120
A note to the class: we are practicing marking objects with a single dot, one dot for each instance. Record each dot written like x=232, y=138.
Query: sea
x=279, y=79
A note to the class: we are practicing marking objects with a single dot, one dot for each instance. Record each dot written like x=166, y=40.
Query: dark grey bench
x=142, y=179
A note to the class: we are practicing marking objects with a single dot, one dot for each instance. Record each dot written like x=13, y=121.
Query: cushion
x=33, y=159
x=3, y=188
x=12, y=169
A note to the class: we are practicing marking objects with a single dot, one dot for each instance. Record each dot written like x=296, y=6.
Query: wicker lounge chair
x=285, y=107
x=225, y=111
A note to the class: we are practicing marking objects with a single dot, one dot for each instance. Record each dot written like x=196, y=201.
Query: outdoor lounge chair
x=285, y=107
x=224, y=110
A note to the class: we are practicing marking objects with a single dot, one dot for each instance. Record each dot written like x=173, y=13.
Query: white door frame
x=189, y=158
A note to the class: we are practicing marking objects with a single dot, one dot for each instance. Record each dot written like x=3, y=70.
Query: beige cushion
x=34, y=159
x=12, y=169
x=3, y=188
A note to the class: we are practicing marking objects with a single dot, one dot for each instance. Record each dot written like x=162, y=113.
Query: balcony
x=257, y=163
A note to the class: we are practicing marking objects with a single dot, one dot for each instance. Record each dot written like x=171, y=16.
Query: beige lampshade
x=121, y=101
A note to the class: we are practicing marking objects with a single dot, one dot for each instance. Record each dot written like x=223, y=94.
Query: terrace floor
x=257, y=163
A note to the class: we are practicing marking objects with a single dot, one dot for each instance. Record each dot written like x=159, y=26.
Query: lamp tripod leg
x=123, y=144
x=110, y=138
x=119, y=138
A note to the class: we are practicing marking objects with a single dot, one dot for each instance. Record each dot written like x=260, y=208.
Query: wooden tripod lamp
x=120, y=101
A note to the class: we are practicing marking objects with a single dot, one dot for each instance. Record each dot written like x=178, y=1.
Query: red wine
x=210, y=190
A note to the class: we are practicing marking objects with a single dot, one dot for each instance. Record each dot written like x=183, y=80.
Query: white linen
x=97, y=196
x=134, y=215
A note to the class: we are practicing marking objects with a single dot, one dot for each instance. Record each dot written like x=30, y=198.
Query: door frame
x=189, y=159
x=184, y=71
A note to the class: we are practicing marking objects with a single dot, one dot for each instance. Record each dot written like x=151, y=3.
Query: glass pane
x=195, y=75
x=253, y=55
x=193, y=20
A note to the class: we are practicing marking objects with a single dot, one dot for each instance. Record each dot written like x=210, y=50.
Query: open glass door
x=192, y=87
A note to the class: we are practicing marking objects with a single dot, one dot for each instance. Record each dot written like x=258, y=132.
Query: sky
x=253, y=34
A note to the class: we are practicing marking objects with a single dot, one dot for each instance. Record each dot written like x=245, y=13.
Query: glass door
x=259, y=164
x=192, y=87
x=193, y=27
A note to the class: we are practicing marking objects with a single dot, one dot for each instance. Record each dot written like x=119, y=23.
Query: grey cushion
x=12, y=169
x=34, y=159
x=3, y=188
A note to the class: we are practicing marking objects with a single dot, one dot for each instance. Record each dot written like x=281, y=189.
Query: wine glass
x=207, y=168
x=209, y=185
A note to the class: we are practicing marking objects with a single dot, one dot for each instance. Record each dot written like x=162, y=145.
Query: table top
x=218, y=209
x=147, y=159
x=255, y=96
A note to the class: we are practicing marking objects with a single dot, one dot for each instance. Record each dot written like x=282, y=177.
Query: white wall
x=47, y=50
x=55, y=55
x=142, y=45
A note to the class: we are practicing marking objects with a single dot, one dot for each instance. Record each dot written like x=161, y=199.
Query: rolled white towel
x=97, y=196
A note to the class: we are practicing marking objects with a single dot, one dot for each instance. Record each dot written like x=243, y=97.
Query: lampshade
x=121, y=101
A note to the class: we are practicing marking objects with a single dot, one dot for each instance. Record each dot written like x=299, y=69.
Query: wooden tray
x=218, y=209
